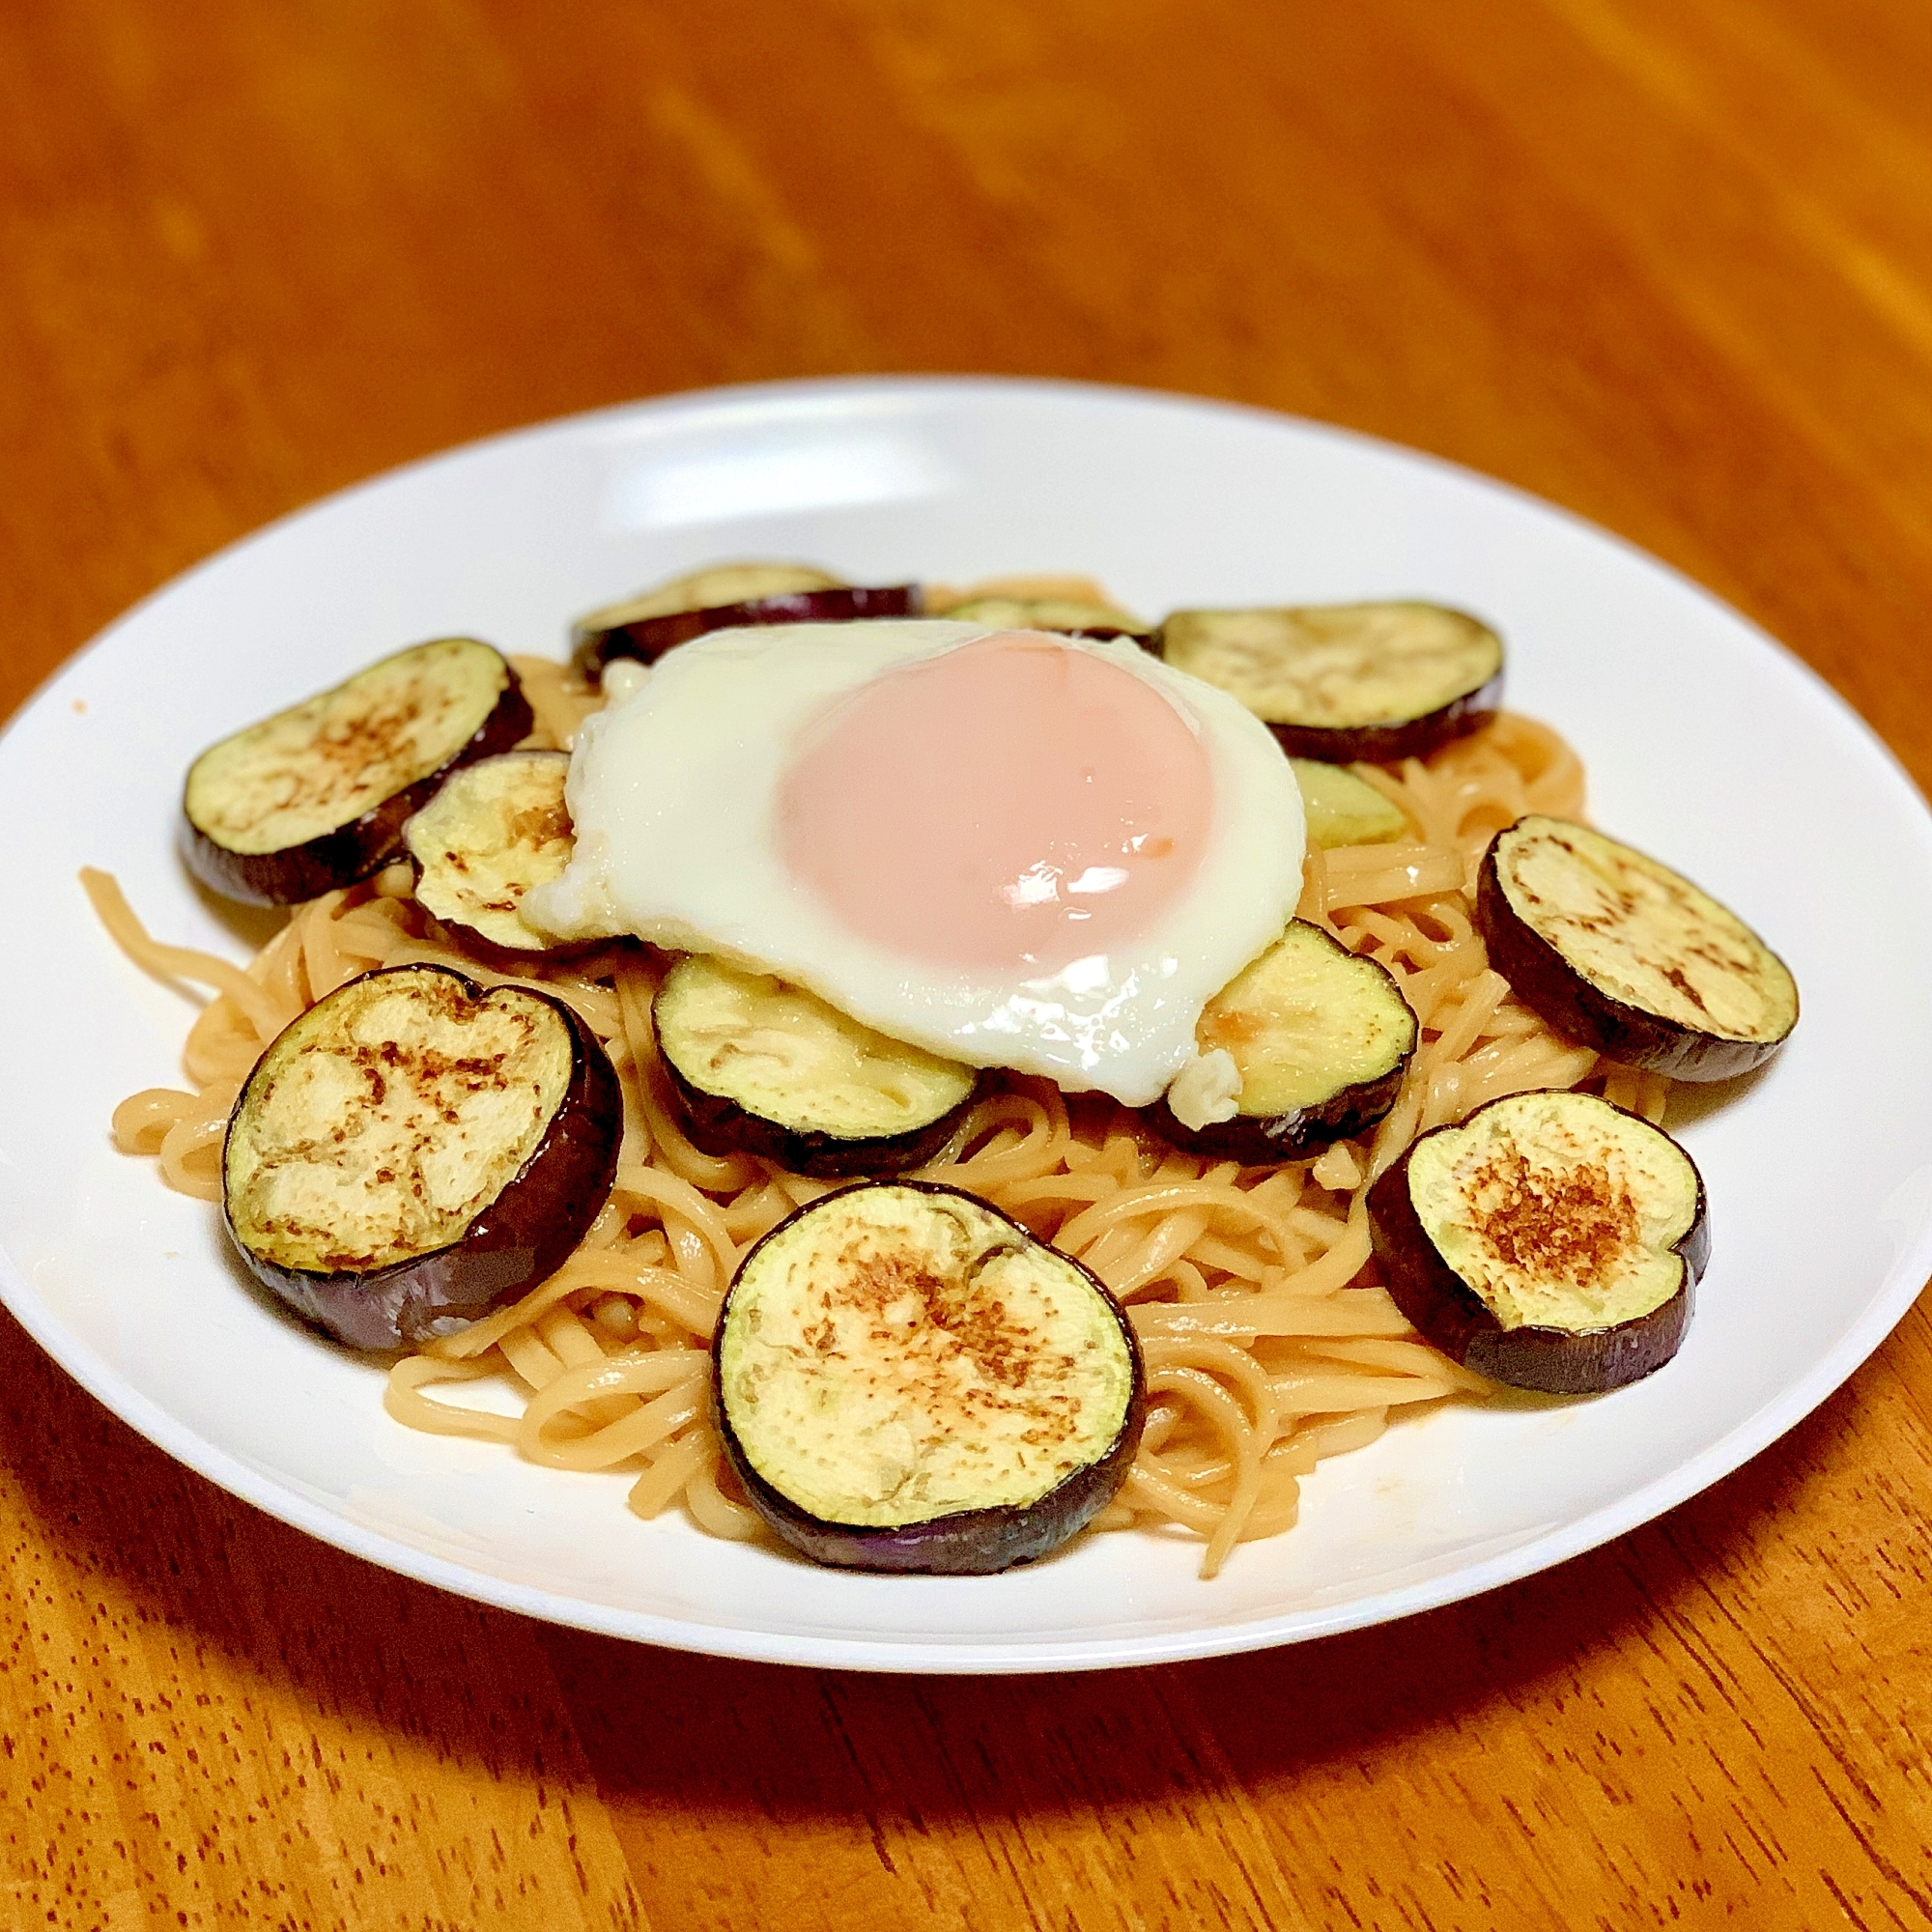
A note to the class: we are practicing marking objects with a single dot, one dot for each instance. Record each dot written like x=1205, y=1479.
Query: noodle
x=1269, y=1344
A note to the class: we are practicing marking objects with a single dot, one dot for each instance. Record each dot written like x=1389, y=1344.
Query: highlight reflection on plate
x=1704, y=743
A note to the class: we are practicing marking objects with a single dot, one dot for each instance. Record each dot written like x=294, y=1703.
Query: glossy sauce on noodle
x=1269, y=1344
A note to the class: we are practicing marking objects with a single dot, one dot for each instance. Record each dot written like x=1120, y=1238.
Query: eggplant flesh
x=1319, y=1039
x=1551, y=1241
x=644, y=628
x=1619, y=951
x=764, y=1068
x=316, y=797
x=496, y=829
x=1067, y=615
x=907, y=1380
x=1342, y=808
x=413, y=1148
x=1347, y=683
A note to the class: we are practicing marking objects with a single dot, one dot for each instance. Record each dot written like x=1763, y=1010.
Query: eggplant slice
x=1622, y=954
x=316, y=797
x=645, y=627
x=1347, y=682
x=1551, y=1241
x=907, y=1380
x=413, y=1148
x=1069, y=617
x=1319, y=1039
x=496, y=829
x=1344, y=810
x=711, y=588
x=768, y=1068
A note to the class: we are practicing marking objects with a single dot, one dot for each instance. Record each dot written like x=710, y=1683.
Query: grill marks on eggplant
x=413, y=1148
x=1347, y=682
x=770, y=1068
x=1320, y=1038
x=496, y=829
x=1621, y=952
x=1551, y=1241
x=380, y=1130
x=316, y=796
x=909, y=1380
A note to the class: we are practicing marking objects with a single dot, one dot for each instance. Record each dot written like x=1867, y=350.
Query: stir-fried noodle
x=1268, y=1344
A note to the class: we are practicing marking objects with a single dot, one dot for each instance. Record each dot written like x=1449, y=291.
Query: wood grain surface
x=1667, y=261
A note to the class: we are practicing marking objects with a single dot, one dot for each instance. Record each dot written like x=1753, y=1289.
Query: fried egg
x=1018, y=849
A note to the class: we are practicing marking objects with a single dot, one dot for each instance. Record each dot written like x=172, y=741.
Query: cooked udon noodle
x=1268, y=1344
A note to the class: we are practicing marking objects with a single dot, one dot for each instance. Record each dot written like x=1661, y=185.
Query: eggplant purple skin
x=722, y=1127
x=1267, y=1140
x=500, y=958
x=648, y=640
x=1382, y=744
x=1552, y=989
x=521, y=1237
x=1107, y=633
x=1390, y=744
x=967, y=1543
x=351, y=851
x=1451, y=1315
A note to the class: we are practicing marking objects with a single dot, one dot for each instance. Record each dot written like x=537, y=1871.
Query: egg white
x=672, y=792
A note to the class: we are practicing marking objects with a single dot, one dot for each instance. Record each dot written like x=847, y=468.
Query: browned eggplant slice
x=1318, y=1040
x=413, y=1148
x=1551, y=1241
x=907, y=1380
x=768, y=1068
x=496, y=829
x=1621, y=952
x=316, y=796
x=645, y=627
x=1347, y=682
x=1071, y=617
x=711, y=588
x=1344, y=810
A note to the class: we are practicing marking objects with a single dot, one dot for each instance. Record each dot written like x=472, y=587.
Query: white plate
x=1704, y=741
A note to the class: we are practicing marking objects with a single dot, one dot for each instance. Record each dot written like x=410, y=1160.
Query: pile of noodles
x=1269, y=1344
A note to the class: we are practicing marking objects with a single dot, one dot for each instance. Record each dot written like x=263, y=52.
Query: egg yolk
x=1014, y=804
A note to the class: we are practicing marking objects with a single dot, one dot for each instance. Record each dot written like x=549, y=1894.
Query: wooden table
x=1667, y=261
